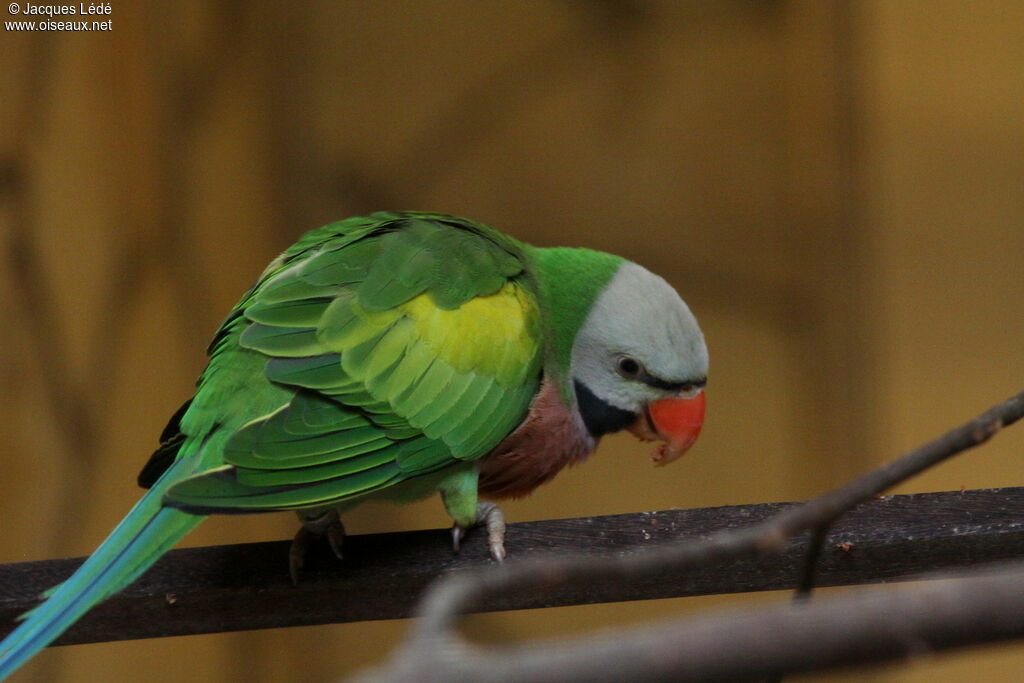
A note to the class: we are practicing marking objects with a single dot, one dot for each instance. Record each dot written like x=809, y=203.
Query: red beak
x=676, y=421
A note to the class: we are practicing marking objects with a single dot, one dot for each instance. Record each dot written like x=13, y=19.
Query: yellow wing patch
x=464, y=376
x=494, y=335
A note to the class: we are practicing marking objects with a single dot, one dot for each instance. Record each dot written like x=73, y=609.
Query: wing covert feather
x=411, y=344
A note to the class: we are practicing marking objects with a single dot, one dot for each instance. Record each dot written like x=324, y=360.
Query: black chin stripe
x=599, y=417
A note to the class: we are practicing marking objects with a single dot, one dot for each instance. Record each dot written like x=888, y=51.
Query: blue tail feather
x=146, y=533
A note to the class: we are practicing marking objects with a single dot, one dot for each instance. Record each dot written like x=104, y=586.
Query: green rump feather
x=379, y=355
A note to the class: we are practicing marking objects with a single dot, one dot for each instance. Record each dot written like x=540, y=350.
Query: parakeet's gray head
x=639, y=362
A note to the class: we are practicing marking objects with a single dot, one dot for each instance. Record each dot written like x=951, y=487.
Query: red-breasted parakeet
x=392, y=356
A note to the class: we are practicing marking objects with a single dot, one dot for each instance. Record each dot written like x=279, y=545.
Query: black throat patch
x=599, y=417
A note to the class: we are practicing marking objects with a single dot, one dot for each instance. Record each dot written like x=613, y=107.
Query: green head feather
x=568, y=281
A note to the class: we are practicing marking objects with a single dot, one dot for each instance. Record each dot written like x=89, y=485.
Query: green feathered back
x=397, y=345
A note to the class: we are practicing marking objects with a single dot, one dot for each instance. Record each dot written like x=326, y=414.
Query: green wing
x=411, y=343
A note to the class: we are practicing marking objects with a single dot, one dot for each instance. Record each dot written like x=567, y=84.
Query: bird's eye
x=629, y=367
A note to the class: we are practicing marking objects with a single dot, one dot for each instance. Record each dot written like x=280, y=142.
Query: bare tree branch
x=876, y=625
x=246, y=586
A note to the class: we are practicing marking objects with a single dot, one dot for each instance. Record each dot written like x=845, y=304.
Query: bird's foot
x=314, y=527
x=487, y=514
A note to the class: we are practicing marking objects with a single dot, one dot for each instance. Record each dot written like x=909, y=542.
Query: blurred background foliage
x=836, y=188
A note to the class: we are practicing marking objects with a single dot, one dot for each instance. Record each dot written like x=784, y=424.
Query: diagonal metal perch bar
x=240, y=587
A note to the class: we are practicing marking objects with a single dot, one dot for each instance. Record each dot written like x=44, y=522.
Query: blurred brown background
x=837, y=189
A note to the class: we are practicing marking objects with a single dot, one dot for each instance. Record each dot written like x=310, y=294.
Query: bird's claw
x=487, y=514
x=457, y=533
x=336, y=539
x=313, y=528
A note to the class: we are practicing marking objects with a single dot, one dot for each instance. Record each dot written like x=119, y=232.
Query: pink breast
x=550, y=438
